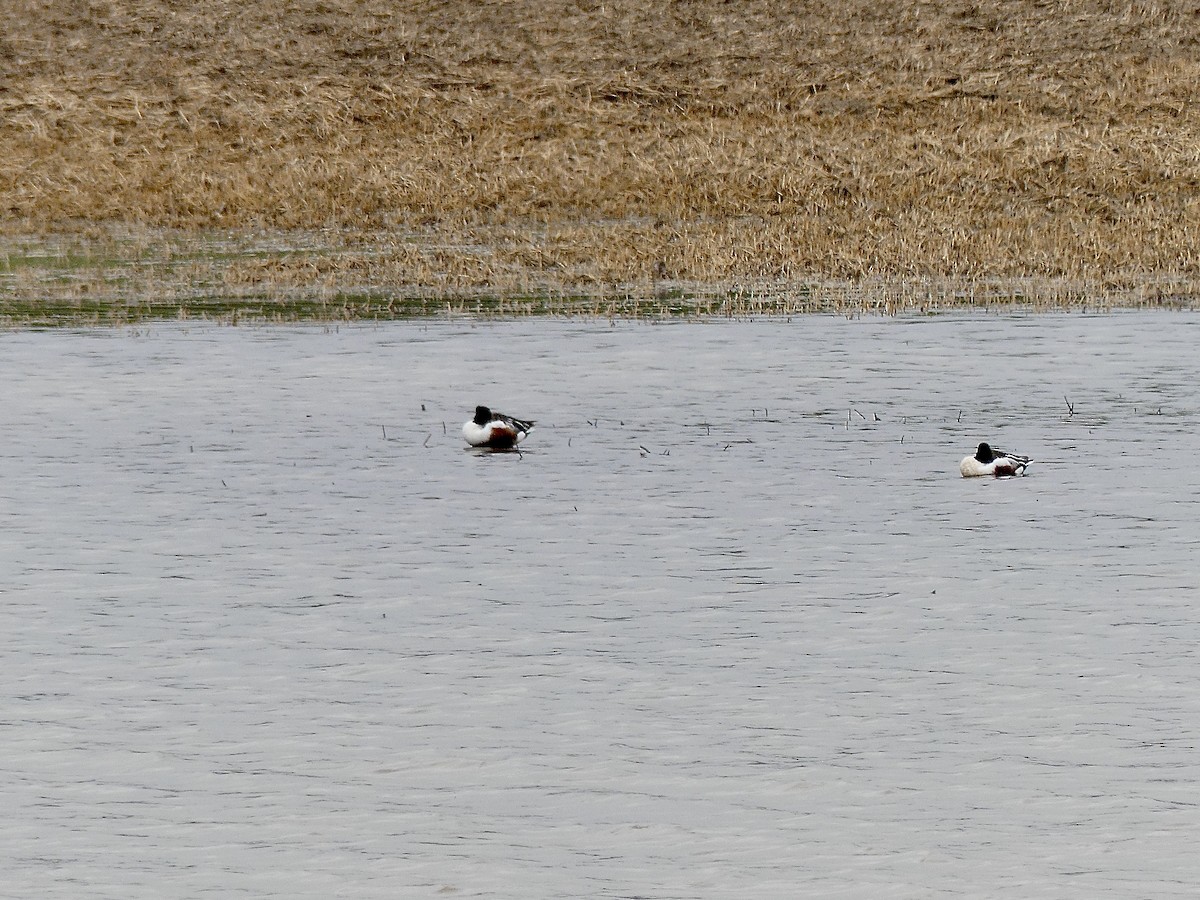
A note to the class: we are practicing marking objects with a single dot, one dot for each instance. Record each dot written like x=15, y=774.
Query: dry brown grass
x=461, y=147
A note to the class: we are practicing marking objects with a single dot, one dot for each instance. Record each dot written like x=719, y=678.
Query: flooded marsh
x=149, y=275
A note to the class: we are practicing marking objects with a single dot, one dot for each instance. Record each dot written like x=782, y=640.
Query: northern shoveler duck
x=987, y=461
x=495, y=430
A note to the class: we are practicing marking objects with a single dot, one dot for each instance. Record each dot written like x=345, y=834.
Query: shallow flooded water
x=731, y=626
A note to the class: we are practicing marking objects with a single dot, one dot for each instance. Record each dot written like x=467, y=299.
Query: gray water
x=731, y=626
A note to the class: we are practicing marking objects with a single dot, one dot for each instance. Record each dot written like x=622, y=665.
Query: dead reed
x=865, y=155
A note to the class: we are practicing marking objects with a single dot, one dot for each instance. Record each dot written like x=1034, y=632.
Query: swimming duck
x=987, y=461
x=495, y=430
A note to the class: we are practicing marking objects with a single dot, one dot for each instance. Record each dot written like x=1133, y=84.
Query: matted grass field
x=328, y=157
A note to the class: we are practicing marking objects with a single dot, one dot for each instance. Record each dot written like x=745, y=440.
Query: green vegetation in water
x=91, y=311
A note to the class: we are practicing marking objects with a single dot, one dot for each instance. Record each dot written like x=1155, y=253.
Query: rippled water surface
x=731, y=626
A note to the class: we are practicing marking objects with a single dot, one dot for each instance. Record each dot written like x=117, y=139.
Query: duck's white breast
x=476, y=435
x=972, y=468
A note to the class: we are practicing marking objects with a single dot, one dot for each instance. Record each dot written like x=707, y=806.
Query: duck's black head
x=483, y=415
x=984, y=454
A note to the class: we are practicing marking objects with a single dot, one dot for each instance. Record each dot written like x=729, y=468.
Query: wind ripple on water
x=731, y=624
